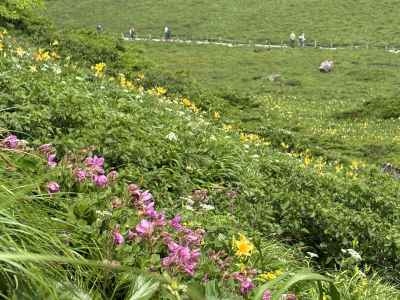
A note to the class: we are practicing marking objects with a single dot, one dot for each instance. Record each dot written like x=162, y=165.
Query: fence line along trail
x=236, y=44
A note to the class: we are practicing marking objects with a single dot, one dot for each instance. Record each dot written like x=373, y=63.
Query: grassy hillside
x=195, y=166
x=284, y=89
x=141, y=171
x=340, y=21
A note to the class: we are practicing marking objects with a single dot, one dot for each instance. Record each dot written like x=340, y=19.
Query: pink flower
x=112, y=176
x=159, y=219
x=51, y=160
x=11, y=141
x=94, y=161
x=145, y=197
x=181, y=257
x=118, y=239
x=53, y=187
x=80, y=175
x=150, y=211
x=194, y=237
x=176, y=222
x=145, y=228
x=46, y=148
x=131, y=235
x=246, y=284
x=267, y=295
x=100, y=181
x=289, y=297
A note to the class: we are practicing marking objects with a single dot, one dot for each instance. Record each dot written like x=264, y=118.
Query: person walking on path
x=292, y=39
x=302, y=40
x=167, y=33
x=99, y=28
x=132, y=33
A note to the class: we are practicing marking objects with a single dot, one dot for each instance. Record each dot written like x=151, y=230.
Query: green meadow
x=340, y=22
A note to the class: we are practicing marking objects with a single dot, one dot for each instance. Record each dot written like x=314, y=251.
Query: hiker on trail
x=167, y=33
x=99, y=28
x=292, y=39
x=132, y=33
x=302, y=39
x=326, y=66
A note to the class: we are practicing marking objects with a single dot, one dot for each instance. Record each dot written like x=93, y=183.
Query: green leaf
x=297, y=278
x=143, y=289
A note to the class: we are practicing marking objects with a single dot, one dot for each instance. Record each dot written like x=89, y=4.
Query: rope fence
x=264, y=43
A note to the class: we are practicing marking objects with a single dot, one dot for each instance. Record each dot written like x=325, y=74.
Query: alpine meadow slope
x=123, y=180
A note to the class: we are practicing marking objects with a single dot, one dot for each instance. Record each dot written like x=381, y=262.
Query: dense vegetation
x=229, y=215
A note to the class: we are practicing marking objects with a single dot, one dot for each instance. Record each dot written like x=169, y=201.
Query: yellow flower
x=140, y=76
x=20, y=52
x=1, y=46
x=54, y=43
x=243, y=246
x=307, y=160
x=54, y=55
x=33, y=69
x=270, y=275
x=284, y=145
x=338, y=168
x=186, y=102
x=41, y=55
x=216, y=115
x=3, y=34
x=161, y=91
x=250, y=138
x=122, y=80
x=227, y=128
x=354, y=165
x=99, y=69
x=194, y=108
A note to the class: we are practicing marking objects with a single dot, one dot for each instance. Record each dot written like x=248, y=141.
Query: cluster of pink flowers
x=184, y=254
x=245, y=281
x=10, y=142
x=183, y=243
x=94, y=169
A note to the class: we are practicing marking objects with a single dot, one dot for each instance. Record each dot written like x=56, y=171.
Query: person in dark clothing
x=167, y=33
x=132, y=33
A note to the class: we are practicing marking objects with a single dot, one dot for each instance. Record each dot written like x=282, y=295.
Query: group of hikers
x=167, y=35
x=326, y=66
x=301, y=39
x=132, y=32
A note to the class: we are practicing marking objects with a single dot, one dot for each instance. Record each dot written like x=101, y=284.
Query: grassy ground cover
x=340, y=21
x=319, y=110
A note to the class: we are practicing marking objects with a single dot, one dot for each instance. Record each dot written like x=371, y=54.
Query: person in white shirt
x=302, y=39
x=167, y=33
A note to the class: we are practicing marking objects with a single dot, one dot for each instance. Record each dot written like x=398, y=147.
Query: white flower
x=353, y=253
x=172, y=137
x=207, y=207
x=312, y=255
x=188, y=207
x=57, y=70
